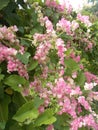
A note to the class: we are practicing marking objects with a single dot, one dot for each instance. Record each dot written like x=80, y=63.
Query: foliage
x=48, y=67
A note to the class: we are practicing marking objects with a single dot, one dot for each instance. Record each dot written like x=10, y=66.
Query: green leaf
x=62, y=122
x=26, y=112
x=16, y=127
x=80, y=79
x=3, y=3
x=24, y=58
x=71, y=65
x=37, y=102
x=1, y=77
x=45, y=118
x=13, y=125
x=14, y=81
x=1, y=91
x=54, y=57
x=33, y=64
x=25, y=42
x=2, y=125
x=4, y=108
x=18, y=99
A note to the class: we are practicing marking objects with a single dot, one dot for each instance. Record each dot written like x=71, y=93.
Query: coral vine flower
x=64, y=25
x=84, y=19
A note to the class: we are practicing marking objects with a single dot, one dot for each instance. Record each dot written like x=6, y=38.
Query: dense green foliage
x=20, y=100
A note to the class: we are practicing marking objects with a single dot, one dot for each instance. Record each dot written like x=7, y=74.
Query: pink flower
x=74, y=25
x=81, y=121
x=83, y=102
x=64, y=25
x=16, y=65
x=61, y=49
x=41, y=109
x=84, y=19
x=76, y=123
x=65, y=5
x=39, y=37
x=89, y=86
x=48, y=25
x=76, y=91
x=90, y=77
x=42, y=51
x=75, y=58
x=50, y=127
x=25, y=92
x=61, y=88
x=8, y=33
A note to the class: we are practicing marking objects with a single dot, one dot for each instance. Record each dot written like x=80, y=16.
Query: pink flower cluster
x=91, y=77
x=15, y=65
x=81, y=121
x=61, y=49
x=42, y=52
x=74, y=25
x=8, y=33
x=65, y=93
x=65, y=96
x=48, y=25
x=6, y=52
x=84, y=19
x=39, y=37
x=84, y=103
x=64, y=25
x=74, y=57
x=50, y=127
x=60, y=7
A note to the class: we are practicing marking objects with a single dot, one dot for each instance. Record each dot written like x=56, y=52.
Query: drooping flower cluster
x=8, y=34
x=42, y=52
x=84, y=121
x=64, y=25
x=84, y=19
x=65, y=5
x=8, y=53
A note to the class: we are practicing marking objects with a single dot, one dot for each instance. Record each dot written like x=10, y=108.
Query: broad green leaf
x=62, y=122
x=18, y=99
x=45, y=118
x=21, y=29
x=53, y=57
x=24, y=58
x=4, y=108
x=16, y=127
x=26, y=112
x=16, y=82
x=37, y=102
x=31, y=127
x=1, y=91
x=71, y=64
x=3, y=3
x=13, y=125
x=33, y=64
x=25, y=42
x=1, y=77
x=2, y=125
x=80, y=79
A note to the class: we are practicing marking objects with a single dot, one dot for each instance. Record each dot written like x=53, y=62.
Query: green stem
x=25, y=38
x=1, y=113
